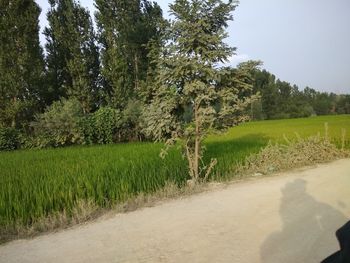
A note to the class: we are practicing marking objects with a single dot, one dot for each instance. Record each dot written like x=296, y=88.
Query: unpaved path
x=289, y=218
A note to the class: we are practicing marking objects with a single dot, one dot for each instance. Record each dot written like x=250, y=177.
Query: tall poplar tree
x=72, y=54
x=127, y=30
x=21, y=61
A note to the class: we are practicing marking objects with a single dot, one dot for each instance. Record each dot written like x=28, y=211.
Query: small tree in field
x=194, y=95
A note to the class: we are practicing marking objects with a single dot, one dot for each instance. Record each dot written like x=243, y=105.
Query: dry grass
x=276, y=157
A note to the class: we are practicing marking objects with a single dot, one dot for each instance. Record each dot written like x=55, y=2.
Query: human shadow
x=308, y=228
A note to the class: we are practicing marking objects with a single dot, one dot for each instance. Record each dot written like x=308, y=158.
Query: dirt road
x=289, y=218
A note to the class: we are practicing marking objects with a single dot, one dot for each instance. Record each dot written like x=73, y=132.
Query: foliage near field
x=283, y=100
x=58, y=94
x=293, y=153
x=38, y=183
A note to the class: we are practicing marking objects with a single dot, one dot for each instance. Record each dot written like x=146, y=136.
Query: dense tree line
x=281, y=100
x=21, y=63
x=114, y=82
x=90, y=85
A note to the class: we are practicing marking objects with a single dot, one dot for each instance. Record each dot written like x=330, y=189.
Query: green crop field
x=37, y=183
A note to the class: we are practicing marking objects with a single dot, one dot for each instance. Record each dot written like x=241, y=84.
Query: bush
x=277, y=157
x=9, y=139
x=132, y=121
x=106, y=123
x=60, y=124
x=63, y=124
x=87, y=126
x=101, y=127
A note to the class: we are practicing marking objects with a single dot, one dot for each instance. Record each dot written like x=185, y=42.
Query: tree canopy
x=191, y=98
x=158, y=79
x=72, y=54
x=21, y=62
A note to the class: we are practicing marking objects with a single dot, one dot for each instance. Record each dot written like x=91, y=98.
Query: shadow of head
x=298, y=185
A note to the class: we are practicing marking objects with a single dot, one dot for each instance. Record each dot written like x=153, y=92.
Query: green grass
x=37, y=183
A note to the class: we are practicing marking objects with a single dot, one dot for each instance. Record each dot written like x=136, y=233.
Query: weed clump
x=295, y=153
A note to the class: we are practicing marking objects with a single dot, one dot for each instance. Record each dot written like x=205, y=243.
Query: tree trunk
x=197, y=145
x=136, y=69
x=13, y=122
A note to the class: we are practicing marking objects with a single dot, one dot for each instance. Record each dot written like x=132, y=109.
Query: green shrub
x=108, y=125
x=9, y=139
x=64, y=124
x=39, y=141
x=131, y=123
x=106, y=122
x=87, y=126
x=101, y=126
x=59, y=125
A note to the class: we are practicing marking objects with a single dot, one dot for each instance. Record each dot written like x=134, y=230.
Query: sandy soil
x=289, y=218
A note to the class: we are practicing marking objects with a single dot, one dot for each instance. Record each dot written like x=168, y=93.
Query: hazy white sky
x=303, y=42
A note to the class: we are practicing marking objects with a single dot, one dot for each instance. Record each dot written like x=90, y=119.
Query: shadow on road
x=308, y=228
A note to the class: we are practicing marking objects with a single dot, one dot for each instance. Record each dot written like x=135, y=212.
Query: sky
x=304, y=42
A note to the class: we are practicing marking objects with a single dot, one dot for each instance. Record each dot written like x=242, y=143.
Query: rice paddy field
x=37, y=183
